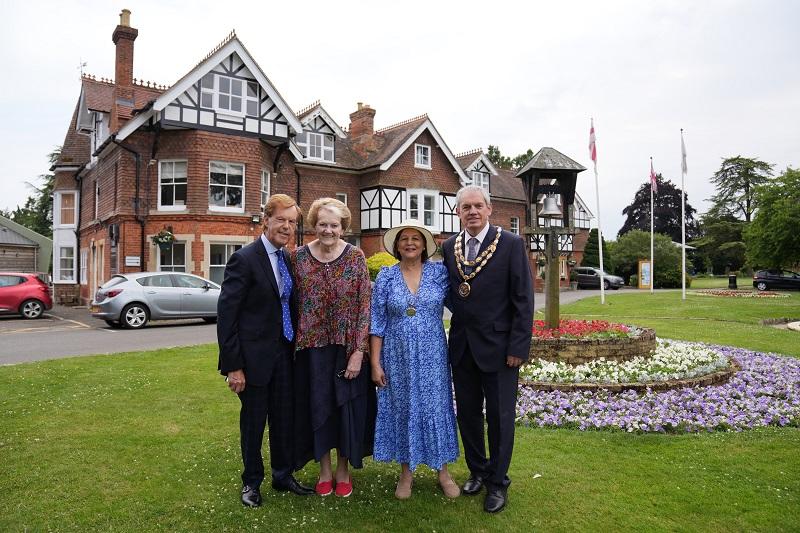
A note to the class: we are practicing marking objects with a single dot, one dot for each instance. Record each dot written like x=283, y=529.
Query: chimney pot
x=125, y=18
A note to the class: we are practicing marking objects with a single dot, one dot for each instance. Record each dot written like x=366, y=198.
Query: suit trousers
x=272, y=403
x=499, y=390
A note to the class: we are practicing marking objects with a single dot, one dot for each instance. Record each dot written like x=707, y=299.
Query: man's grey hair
x=472, y=188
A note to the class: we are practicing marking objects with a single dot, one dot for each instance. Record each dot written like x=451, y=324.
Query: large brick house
x=200, y=158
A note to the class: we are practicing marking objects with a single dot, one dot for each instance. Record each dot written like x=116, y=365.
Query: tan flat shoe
x=450, y=488
x=403, y=491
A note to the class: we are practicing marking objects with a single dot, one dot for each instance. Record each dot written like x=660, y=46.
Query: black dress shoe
x=290, y=484
x=495, y=500
x=472, y=486
x=251, y=496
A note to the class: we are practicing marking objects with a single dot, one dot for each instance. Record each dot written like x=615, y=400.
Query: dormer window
x=229, y=95
x=481, y=179
x=423, y=156
x=317, y=146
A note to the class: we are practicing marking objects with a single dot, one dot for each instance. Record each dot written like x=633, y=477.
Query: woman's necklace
x=411, y=301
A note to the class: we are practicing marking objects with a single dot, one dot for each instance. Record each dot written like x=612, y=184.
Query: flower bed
x=673, y=364
x=580, y=341
x=739, y=293
x=582, y=329
x=765, y=392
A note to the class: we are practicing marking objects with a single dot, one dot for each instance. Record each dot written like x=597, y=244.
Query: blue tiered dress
x=416, y=423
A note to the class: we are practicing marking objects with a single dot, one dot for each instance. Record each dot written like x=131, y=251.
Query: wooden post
x=551, y=281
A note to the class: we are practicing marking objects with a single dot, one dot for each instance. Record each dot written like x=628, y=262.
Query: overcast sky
x=512, y=74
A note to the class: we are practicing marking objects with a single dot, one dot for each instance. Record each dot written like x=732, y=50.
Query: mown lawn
x=149, y=442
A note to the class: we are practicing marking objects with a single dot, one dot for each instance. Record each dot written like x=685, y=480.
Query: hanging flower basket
x=164, y=239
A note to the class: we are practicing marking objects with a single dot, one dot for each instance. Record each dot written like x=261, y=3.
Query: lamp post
x=548, y=176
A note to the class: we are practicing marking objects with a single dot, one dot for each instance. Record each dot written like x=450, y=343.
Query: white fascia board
x=583, y=204
x=320, y=112
x=134, y=124
x=295, y=151
x=488, y=164
x=427, y=125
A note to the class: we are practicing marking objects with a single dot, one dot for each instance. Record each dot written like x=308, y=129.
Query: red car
x=25, y=294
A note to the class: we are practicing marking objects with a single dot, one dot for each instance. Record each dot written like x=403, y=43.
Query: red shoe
x=324, y=488
x=344, y=489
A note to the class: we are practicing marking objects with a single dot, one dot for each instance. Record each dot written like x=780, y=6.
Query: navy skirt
x=332, y=411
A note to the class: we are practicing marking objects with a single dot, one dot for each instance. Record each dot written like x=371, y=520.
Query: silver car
x=131, y=300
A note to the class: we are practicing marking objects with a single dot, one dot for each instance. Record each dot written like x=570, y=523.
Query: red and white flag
x=653, y=182
x=592, y=145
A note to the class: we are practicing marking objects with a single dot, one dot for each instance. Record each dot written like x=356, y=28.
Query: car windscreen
x=116, y=280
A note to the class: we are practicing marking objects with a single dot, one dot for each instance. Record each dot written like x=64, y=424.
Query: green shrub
x=634, y=280
x=376, y=261
x=670, y=279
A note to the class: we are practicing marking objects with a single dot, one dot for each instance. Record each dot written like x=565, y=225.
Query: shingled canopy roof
x=550, y=159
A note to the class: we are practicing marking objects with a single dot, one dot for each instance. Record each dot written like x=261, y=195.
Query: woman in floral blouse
x=334, y=398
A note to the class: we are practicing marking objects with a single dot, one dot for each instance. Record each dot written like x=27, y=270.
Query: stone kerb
x=579, y=351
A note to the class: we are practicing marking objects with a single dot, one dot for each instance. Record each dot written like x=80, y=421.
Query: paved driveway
x=66, y=331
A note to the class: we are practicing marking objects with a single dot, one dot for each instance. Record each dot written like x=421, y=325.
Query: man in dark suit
x=255, y=331
x=491, y=297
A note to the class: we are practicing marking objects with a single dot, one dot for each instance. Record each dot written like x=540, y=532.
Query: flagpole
x=593, y=153
x=683, y=218
x=652, y=262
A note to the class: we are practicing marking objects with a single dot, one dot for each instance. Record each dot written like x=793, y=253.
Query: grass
x=720, y=282
x=148, y=441
x=719, y=320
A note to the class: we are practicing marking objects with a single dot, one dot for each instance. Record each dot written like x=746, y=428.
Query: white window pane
x=252, y=89
x=179, y=169
x=236, y=104
x=224, y=85
x=207, y=100
x=208, y=81
x=236, y=87
x=252, y=108
x=224, y=101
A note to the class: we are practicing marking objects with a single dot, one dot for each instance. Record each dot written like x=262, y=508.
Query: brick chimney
x=362, y=130
x=123, y=37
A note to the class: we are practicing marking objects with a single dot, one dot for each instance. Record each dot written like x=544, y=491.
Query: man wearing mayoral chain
x=491, y=296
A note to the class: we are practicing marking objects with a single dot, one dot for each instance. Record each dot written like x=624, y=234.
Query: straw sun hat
x=391, y=235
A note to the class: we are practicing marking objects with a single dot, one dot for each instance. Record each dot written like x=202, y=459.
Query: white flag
x=683, y=155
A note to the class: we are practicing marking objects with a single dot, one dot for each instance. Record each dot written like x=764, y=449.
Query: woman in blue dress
x=408, y=353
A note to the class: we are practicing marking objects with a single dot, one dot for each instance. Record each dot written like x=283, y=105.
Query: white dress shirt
x=272, y=253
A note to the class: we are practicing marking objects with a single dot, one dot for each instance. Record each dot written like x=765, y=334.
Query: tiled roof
x=75, y=150
x=465, y=159
x=307, y=110
x=99, y=94
x=506, y=185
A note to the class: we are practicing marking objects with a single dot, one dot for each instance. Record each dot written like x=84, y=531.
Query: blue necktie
x=288, y=332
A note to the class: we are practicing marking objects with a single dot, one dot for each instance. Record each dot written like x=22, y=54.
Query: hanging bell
x=550, y=207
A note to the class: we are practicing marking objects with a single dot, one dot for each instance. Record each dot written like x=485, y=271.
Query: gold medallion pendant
x=464, y=289
x=411, y=311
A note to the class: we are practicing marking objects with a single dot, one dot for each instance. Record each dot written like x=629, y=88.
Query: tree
x=666, y=212
x=721, y=243
x=501, y=161
x=37, y=213
x=736, y=182
x=773, y=239
x=591, y=252
x=635, y=245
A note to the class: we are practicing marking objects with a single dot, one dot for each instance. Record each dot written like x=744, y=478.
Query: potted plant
x=164, y=239
x=573, y=278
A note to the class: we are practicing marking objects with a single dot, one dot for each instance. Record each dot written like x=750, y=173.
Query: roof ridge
x=136, y=82
x=308, y=108
x=469, y=152
x=92, y=77
x=402, y=123
x=231, y=36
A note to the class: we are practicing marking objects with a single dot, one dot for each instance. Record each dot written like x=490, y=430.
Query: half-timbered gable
x=317, y=142
x=226, y=93
x=478, y=168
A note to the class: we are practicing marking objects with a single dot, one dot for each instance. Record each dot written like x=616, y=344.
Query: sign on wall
x=132, y=261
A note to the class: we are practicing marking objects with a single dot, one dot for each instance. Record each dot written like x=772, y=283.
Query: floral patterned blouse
x=333, y=298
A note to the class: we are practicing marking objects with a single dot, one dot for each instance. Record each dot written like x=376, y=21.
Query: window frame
x=421, y=194
x=162, y=207
x=513, y=225
x=62, y=209
x=320, y=138
x=61, y=268
x=226, y=208
x=422, y=147
x=342, y=197
x=478, y=178
x=212, y=266
x=264, y=192
x=172, y=265
x=215, y=92
x=84, y=266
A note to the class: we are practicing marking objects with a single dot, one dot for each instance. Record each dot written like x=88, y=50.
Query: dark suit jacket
x=496, y=319
x=249, y=323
